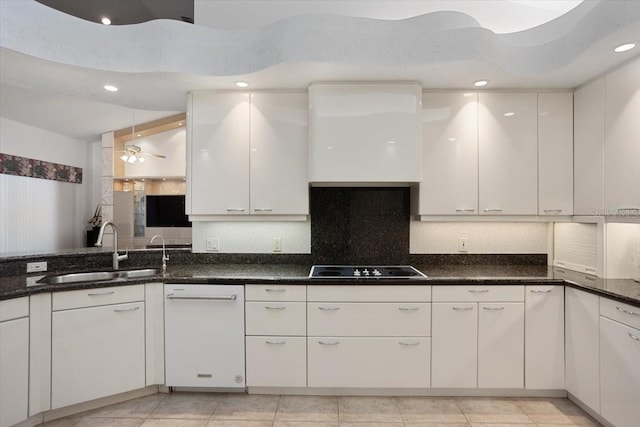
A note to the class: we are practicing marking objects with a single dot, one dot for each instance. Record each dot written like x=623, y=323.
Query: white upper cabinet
x=508, y=151
x=555, y=153
x=365, y=132
x=622, y=140
x=218, y=150
x=450, y=154
x=248, y=154
x=588, y=151
x=279, y=181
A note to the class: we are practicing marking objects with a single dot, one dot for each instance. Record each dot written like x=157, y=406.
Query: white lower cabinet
x=276, y=361
x=368, y=362
x=14, y=361
x=619, y=365
x=582, y=347
x=544, y=337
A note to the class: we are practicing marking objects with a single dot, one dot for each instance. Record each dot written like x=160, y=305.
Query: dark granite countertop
x=624, y=290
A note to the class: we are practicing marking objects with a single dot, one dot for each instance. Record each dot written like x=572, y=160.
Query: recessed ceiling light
x=242, y=84
x=624, y=47
x=180, y=124
x=480, y=83
x=110, y=88
x=391, y=142
x=509, y=114
x=452, y=139
x=105, y=20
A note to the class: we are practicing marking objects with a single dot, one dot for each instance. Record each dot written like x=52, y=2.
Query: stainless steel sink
x=96, y=276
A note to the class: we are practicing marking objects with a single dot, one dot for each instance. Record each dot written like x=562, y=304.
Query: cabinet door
x=276, y=361
x=218, y=150
x=622, y=139
x=544, y=337
x=454, y=335
x=368, y=362
x=619, y=373
x=96, y=352
x=450, y=154
x=14, y=371
x=555, y=153
x=279, y=159
x=508, y=149
x=582, y=347
x=501, y=345
x=588, y=150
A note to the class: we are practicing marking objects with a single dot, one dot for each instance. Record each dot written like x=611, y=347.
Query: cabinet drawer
x=276, y=318
x=478, y=293
x=275, y=361
x=369, y=319
x=97, y=296
x=351, y=293
x=275, y=292
x=620, y=312
x=14, y=308
x=368, y=362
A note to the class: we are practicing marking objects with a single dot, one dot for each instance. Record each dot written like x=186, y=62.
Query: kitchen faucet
x=116, y=256
x=165, y=257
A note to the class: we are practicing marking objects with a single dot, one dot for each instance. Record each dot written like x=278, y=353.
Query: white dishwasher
x=204, y=335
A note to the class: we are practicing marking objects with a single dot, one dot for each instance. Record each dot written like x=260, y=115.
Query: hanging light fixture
x=133, y=153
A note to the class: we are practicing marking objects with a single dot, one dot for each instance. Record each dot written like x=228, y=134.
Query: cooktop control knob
x=356, y=272
x=365, y=272
x=376, y=272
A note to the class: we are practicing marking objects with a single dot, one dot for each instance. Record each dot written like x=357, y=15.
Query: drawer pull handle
x=328, y=342
x=408, y=308
x=465, y=210
x=328, y=308
x=552, y=210
x=201, y=297
x=99, y=294
x=262, y=210
x=235, y=209
x=493, y=308
x=275, y=290
x=274, y=308
x=589, y=278
x=493, y=210
x=122, y=310
x=478, y=291
x=633, y=336
x=409, y=343
x=627, y=312
x=205, y=376
x=539, y=291
x=462, y=308
x=276, y=342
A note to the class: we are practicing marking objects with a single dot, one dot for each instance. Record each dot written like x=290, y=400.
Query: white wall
x=482, y=238
x=39, y=215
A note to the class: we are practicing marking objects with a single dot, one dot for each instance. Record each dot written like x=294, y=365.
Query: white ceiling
x=53, y=79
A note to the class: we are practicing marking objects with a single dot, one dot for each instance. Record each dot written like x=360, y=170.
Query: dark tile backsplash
x=359, y=225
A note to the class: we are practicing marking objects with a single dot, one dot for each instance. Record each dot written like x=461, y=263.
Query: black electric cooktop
x=365, y=272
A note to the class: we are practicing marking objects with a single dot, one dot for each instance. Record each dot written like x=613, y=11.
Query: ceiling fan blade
x=162, y=156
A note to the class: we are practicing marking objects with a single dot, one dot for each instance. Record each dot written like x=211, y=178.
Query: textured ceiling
x=156, y=63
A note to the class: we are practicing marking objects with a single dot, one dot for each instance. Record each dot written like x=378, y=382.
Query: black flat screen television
x=166, y=211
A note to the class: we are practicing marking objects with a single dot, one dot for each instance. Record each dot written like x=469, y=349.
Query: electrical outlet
x=213, y=244
x=33, y=267
x=277, y=244
x=462, y=244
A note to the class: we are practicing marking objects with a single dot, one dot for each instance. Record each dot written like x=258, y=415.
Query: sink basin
x=96, y=276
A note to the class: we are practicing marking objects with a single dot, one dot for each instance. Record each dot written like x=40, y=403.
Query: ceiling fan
x=134, y=154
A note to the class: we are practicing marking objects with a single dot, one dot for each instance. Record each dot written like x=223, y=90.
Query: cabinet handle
x=465, y=210
x=493, y=210
x=329, y=308
x=199, y=297
x=262, y=210
x=205, y=376
x=235, y=209
x=408, y=308
x=627, y=312
x=462, y=308
x=633, y=336
x=274, y=308
x=276, y=342
x=552, y=210
x=493, y=308
x=122, y=310
x=328, y=342
x=274, y=290
x=478, y=291
x=538, y=291
x=409, y=343
x=99, y=294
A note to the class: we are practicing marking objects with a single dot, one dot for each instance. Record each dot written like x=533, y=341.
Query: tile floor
x=242, y=410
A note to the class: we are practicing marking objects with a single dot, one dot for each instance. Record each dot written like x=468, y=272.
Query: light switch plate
x=33, y=267
x=213, y=244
